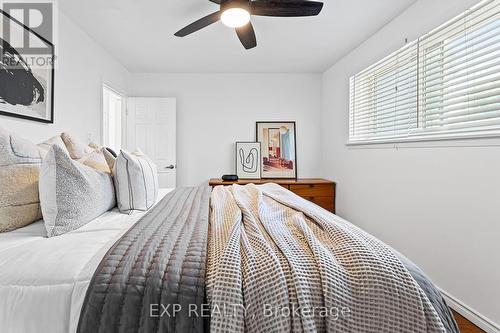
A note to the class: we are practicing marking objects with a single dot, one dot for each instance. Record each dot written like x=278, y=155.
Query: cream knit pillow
x=76, y=149
x=20, y=162
x=47, y=144
x=110, y=158
x=90, y=155
x=95, y=159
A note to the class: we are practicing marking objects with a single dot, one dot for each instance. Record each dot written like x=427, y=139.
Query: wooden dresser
x=319, y=191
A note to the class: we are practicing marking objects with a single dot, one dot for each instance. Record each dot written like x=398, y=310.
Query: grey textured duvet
x=268, y=250
x=155, y=274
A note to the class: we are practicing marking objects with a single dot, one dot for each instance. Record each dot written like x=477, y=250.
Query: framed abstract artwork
x=248, y=160
x=279, y=151
x=26, y=79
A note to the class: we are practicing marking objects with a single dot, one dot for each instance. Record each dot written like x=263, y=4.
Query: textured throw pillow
x=94, y=145
x=95, y=159
x=76, y=149
x=72, y=194
x=112, y=152
x=109, y=157
x=56, y=140
x=90, y=155
x=19, y=170
x=136, y=181
x=16, y=150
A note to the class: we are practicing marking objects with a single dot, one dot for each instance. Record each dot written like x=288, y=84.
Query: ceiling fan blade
x=216, y=1
x=246, y=34
x=291, y=8
x=200, y=24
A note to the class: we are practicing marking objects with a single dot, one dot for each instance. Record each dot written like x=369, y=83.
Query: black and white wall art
x=248, y=160
x=26, y=78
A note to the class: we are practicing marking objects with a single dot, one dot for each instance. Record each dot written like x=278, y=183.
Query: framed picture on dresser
x=248, y=160
x=279, y=149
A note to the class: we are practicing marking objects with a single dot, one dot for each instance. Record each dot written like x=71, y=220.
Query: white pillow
x=72, y=194
x=136, y=181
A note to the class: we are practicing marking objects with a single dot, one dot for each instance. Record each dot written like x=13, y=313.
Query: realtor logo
x=38, y=31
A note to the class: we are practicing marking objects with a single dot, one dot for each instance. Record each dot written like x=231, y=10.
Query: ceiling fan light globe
x=235, y=17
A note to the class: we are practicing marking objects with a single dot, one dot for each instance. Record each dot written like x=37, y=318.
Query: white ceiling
x=140, y=34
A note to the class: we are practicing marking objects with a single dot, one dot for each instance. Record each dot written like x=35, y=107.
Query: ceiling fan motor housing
x=228, y=4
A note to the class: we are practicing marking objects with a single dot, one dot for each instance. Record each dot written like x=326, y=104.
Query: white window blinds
x=384, y=97
x=447, y=83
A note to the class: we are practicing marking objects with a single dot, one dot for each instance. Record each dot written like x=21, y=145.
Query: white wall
x=216, y=110
x=440, y=206
x=82, y=67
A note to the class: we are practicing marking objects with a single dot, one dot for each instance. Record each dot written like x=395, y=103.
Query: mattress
x=43, y=281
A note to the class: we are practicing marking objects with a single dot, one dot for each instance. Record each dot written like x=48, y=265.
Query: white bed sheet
x=43, y=281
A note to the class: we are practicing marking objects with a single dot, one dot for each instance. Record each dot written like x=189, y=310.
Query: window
x=384, y=97
x=112, y=118
x=445, y=84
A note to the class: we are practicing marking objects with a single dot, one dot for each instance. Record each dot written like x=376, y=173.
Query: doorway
x=151, y=127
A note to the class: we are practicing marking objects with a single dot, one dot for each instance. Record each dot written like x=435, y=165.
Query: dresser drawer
x=313, y=190
x=327, y=203
x=317, y=190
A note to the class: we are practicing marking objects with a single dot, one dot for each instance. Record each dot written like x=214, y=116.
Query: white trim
x=117, y=89
x=472, y=315
x=434, y=137
x=106, y=86
x=111, y=87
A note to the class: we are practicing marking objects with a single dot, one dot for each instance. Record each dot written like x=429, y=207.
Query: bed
x=196, y=252
x=43, y=280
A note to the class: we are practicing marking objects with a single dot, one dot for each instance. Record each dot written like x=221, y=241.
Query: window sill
x=490, y=139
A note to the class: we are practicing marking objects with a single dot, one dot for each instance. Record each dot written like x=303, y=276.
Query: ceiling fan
x=236, y=14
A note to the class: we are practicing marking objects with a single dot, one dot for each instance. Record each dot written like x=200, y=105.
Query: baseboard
x=470, y=314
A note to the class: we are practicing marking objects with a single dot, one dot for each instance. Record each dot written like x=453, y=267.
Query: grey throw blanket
x=278, y=263
x=153, y=278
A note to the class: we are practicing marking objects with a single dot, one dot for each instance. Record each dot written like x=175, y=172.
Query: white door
x=151, y=127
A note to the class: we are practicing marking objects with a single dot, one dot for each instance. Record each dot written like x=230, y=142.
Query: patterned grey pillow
x=72, y=194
